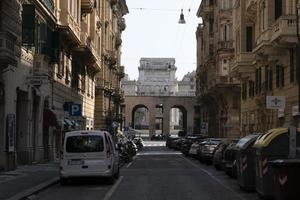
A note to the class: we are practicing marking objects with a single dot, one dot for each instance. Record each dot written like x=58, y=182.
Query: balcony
x=7, y=49
x=284, y=31
x=109, y=57
x=121, y=24
x=68, y=24
x=225, y=45
x=87, y=6
x=49, y=4
x=242, y=64
x=251, y=5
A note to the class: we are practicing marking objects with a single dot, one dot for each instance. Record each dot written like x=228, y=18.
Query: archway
x=178, y=120
x=140, y=118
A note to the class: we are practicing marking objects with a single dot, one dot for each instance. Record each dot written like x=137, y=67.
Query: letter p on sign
x=75, y=110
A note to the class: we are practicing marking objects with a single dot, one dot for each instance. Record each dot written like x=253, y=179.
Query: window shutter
x=282, y=76
x=28, y=25
x=42, y=40
x=277, y=75
x=270, y=80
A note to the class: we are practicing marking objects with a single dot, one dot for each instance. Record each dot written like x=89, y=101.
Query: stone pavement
x=27, y=179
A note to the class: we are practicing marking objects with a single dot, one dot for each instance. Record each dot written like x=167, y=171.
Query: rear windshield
x=86, y=143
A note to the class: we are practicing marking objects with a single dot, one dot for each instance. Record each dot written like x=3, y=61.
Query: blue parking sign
x=75, y=110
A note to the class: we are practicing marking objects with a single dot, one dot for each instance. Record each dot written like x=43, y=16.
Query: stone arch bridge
x=187, y=105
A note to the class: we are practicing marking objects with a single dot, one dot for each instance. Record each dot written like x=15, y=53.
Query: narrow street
x=156, y=173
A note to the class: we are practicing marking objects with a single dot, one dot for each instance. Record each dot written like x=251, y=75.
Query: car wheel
x=117, y=174
x=111, y=179
x=63, y=181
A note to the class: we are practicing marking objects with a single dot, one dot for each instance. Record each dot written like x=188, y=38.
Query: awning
x=49, y=118
x=68, y=122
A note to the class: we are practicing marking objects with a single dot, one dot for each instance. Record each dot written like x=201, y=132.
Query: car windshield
x=86, y=143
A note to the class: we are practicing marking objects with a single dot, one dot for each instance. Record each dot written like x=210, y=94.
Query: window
x=268, y=79
x=279, y=76
x=258, y=81
x=235, y=103
x=81, y=144
x=61, y=65
x=211, y=26
x=244, y=91
x=192, y=87
x=278, y=8
x=292, y=66
x=251, y=88
x=211, y=2
x=249, y=38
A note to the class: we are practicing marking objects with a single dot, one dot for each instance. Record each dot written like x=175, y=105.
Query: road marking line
x=113, y=189
x=189, y=161
x=129, y=164
x=212, y=176
x=220, y=182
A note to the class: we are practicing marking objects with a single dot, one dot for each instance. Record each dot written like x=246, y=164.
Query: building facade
x=265, y=61
x=49, y=68
x=218, y=93
x=157, y=77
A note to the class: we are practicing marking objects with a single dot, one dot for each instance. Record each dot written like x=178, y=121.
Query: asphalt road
x=155, y=174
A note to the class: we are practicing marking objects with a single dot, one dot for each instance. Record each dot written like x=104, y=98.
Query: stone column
x=152, y=113
x=166, y=120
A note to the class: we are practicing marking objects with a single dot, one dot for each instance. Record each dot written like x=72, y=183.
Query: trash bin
x=245, y=162
x=286, y=177
x=271, y=146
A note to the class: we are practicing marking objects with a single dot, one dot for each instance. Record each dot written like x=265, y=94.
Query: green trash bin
x=286, y=177
x=245, y=162
x=271, y=146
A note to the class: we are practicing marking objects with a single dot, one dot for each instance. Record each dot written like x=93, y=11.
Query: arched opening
x=178, y=120
x=140, y=118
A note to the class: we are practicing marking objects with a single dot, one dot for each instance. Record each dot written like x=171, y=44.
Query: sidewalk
x=27, y=179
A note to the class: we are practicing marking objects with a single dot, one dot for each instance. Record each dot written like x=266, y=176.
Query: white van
x=89, y=154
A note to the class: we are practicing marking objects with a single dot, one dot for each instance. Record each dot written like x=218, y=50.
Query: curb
x=35, y=189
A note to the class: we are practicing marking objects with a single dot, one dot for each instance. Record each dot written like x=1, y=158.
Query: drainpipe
x=298, y=53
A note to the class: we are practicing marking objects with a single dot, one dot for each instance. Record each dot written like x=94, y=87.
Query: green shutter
x=42, y=40
x=28, y=25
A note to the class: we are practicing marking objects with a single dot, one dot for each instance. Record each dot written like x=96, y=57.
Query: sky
x=152, y=30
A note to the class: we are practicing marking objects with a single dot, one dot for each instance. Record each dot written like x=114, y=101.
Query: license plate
x=75, y=162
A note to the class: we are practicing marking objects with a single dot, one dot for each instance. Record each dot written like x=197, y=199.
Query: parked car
x=218, y=155
x=170, y=141
x=187, y=142
x=194, y=149
x=158, y=137
x=208, y=149
x=230, y=159
x=177, y=143
x=89, y=154
x=218, y=159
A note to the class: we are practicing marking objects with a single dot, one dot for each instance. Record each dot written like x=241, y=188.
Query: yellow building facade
x=59, y=51
x=218, y=92
x=265, y=60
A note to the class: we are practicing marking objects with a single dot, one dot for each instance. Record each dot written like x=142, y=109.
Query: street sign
x=37, y=80
x=275, y=102
x=75, y=110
